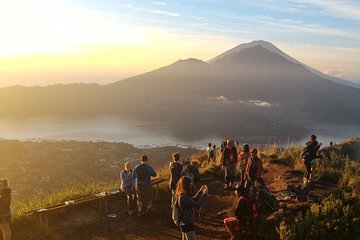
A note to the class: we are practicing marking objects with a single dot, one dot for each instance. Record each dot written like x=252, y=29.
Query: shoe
x=226, y=187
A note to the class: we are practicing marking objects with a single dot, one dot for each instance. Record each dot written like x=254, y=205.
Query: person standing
x=175, y=171
x=229, y=158
x=210, y=151
x=128, y=187
x=142, y=174
x=254, y=168
x=309, y=156
x=184, y=210
x=5, y=212
x=242, y=162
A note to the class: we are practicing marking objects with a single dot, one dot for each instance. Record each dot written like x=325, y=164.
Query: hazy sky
x=46, y=41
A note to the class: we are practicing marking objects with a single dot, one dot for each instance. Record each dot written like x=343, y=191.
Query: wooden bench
x=102, y=198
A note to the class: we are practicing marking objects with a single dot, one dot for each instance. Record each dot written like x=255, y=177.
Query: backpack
x=142, y=173
x=176, y=214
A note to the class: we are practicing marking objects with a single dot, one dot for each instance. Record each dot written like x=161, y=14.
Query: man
x=309, y=156
x=175, y=171
x=142, y=174
x=210, y=150
x=253, y=168
x=229, y=158
x=242, y=162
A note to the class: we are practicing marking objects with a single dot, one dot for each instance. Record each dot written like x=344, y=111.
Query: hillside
x=281, y=169
x=256, y=87
x=47, y=166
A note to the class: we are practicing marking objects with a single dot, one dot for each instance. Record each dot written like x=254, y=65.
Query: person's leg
x=151, y=198
x=173, y=198
x=183, y=237
x=140, y=199
x=5, y=228
x=232, y=173
x=226, y=175
x=190, y=235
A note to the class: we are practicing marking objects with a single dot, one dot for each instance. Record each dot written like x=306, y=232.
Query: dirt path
x=159, y=225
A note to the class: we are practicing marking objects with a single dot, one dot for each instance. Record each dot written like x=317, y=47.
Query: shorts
x=5, y=218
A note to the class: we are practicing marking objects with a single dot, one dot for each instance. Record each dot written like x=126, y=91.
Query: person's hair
x=126, y=164
x=246, y=147
x=183, y=186
x=176, y=156
x=144, y=158
x=209, y=145
x=4, y=181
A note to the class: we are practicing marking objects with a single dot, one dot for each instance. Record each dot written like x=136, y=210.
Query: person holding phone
x=186, y=205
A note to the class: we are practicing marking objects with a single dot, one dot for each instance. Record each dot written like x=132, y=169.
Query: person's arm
x=247, y=167
x=223, y=158
x=188, y=201
x=150, y=170
x=124, y=177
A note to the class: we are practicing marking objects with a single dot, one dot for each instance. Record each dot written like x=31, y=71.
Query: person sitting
x=128, y=187
x=5, y=212
x=142, y=174
x=184, y=209
x=246, y=215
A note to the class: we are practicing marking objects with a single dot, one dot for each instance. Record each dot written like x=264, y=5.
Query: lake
x=142, y=133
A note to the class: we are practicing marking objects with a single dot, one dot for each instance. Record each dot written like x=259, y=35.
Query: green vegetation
x=61, y=196
x=336, y=216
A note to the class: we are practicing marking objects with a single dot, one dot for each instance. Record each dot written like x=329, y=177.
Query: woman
x=186, y=205
x=5, y=212
x=127, y=186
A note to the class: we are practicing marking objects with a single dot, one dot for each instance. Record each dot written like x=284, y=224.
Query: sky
x=46, y=42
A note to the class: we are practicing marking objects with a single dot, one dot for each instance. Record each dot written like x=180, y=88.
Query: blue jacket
x=126, y=179
x=150, y=172
x=175, y=169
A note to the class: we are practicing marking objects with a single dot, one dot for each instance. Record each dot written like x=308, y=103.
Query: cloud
x=222, y=99
x=167, y=13
x=159, y=3
x=260, y=103
x=336, y=73
x=335, y=8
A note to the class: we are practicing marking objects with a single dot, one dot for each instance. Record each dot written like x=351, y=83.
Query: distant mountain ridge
x=269, y=46
x=255, y=87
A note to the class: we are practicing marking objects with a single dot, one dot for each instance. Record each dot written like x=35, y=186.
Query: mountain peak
x=267, y=45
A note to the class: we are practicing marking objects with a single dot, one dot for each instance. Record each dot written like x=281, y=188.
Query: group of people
x=184, y=181
x=247, y=164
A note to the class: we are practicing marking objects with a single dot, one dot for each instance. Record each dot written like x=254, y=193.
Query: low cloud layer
x=254, y=102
